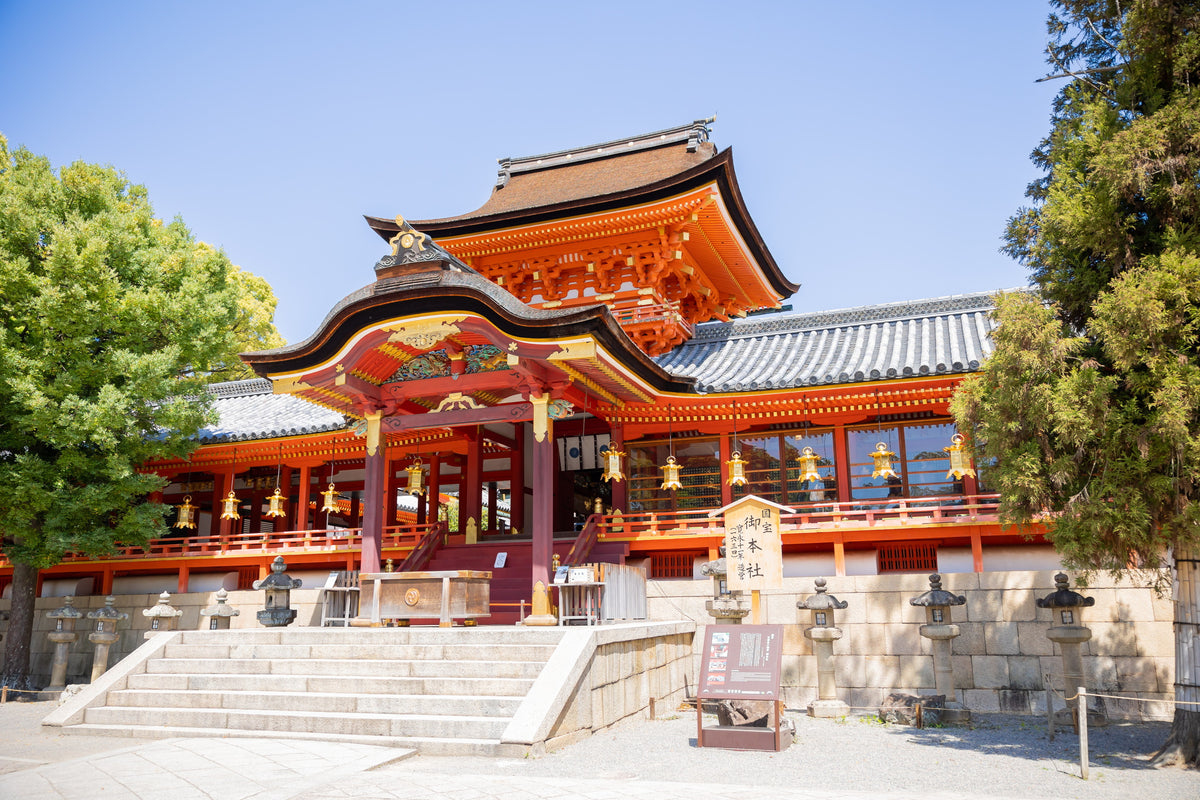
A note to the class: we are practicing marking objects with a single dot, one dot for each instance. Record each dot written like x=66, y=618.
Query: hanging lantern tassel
x=959, y=464
x=737, y=469
x=416, y=478
x=612, y=465
x=276, y=504
x=671, y=475
x=330, y=496
x=883, y=462
x=185, y=515
x=229, y=507
x=808, y=465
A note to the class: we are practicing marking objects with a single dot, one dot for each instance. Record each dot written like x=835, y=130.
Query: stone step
x=389, y=652
x=325, y=702
x=433, y=747
x=441, y=685
x=347, y=668
x=268, y=722
x=361, y=637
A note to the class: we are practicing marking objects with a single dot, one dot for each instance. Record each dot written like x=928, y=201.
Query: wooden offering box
x=444, y=596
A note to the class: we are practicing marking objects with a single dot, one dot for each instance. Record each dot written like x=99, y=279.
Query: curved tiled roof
x=249, y=410
x=923, y=337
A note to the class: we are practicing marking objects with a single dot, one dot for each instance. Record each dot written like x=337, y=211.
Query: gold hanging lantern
x=185, y=515
x=883, y=462
x=737, y=469
x=960, y=465
x=275, y=508
x=330, y=496
x=671, y=475
x=612, y=465
x=416, y=478
x=808, y=465
x=229, y=507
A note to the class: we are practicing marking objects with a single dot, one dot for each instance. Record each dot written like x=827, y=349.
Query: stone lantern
x=940, y=631
x=823, y=633
x=726, y=606
x=63, y=636
x=220, y=615
x=163, y=617
x=1067, y=606
x=104, y=635
x=278, y=612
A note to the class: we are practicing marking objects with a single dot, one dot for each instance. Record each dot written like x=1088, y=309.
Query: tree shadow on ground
x=1119, y=745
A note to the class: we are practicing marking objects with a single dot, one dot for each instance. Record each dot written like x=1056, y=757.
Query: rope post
x=1049, y=710
x=1081, y=717
x=4, y=694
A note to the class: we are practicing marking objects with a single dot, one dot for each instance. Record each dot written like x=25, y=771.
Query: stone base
x=828, y=708
x=1095, y=719
x=51, y=693
x=540, y=620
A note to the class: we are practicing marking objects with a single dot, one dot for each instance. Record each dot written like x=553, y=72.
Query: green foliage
x=110, y=322
x=1091, y=400
x=254, y=327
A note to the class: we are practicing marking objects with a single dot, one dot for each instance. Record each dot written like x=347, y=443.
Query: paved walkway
x=274, y=769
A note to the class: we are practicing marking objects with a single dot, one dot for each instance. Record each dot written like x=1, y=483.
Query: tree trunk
x=17, y=647
x=1183, y=745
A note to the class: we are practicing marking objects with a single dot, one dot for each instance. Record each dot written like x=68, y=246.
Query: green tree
x=1091, y=399
x=110, y=323
x=253, y=327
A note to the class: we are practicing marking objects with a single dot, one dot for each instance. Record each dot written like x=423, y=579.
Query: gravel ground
x=998, y=756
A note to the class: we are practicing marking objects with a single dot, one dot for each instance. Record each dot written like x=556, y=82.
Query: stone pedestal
x=104, y=635
x=941, y=632
x=827, y=703
x=63, y=636
x=1067, y=607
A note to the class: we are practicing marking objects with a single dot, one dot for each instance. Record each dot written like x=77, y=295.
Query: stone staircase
x=440, y=691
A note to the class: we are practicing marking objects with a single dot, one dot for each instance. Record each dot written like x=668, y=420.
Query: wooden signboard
x=741, y=662
x=753, y=548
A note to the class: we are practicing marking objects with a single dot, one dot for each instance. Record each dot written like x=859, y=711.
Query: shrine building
x=584, y=368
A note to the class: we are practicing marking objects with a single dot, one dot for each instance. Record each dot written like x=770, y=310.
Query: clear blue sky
x=880, y=145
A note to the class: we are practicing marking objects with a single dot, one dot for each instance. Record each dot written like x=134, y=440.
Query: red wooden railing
x=585, y=541
x=888, y=512
x=395, y=537
x=423, y=552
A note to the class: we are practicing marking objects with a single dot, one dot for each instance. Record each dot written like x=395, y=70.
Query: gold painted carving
x=412, y=596
x=424, y=334
x=374, y=426
x=541, y=416
x=288, y=386
x=571, y=351
x=456, y=401
x=406, y=238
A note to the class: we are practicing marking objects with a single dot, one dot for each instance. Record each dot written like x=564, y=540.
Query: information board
x=741, y=662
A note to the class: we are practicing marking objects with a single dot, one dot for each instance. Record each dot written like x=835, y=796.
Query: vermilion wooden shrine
x=616, y=296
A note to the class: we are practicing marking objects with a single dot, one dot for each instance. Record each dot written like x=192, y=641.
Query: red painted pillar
x=184, y=574
x=516, y=482
x=726, y=453
x=841, y=457
x=543, y=503
x=303, y=520
x=620, y=489
x=374, y=487
x=470, y=495
x=288, y=521
x=435, y=487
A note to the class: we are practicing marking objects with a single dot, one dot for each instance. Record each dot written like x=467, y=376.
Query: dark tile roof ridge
x=694, y=132
x=243, y=388
x=843, y=317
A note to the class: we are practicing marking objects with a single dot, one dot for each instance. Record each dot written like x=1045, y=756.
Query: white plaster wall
x=808, y=565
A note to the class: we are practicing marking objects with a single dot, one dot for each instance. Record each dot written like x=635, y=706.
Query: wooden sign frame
x=741, y=662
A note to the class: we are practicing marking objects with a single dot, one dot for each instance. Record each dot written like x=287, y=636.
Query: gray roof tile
x=249, y=410
x=937, y=336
